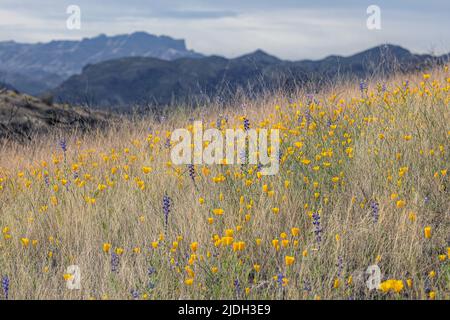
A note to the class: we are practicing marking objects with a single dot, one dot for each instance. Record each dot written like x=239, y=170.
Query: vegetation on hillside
x=363, y=181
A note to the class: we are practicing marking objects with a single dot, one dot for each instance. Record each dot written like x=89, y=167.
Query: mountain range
x=140, y=81
x=35, y=68
x=141, y=69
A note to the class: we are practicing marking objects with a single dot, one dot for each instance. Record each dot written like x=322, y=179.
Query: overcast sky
x=290, y=29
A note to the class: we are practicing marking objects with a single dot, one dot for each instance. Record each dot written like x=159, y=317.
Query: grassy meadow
x=363, y=181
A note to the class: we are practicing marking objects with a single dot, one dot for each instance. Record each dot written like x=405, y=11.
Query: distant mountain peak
x=259, y=56
x=34, y=68
x=392, y=49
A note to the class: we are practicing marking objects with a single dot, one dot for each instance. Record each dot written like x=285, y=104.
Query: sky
x=289, y=29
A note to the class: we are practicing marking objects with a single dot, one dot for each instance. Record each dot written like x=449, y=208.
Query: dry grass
x=42, y=201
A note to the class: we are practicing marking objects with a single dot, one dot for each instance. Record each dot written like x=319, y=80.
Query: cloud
x=291, y=29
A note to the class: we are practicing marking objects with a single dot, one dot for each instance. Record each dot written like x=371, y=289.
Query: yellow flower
x=289, y=260
x=227, y=240
x=401, y=203
x=146, y=170
x=257, y=267
x=214, y=269
x=194, y=246
x=432, y=295
x=275, y=210
x=201, y=200
x=25, y=241
x=427, y=232
x=398, y=286
x=336, y=283
x=67, y=276
x=412, y=216
x=432, y=274
x=238, y=246
x=155, y=244
x=189, y=281
x=106, y=247
x=391, y=285
x=119, y=251
x=442, y=257
x=218, y=211
x=295, y=231
x=305, y=253
x=409, y=282
x=137, y=250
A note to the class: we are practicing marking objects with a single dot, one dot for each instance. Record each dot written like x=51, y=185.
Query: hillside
x=141, y=81
x=22, y=116
x=34, y=68
x=363, y=184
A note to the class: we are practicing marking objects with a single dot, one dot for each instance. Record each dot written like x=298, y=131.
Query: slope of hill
x=22, y=116
x=6, y=86
x=362, y=183
x=140, y=81
x=34, y=68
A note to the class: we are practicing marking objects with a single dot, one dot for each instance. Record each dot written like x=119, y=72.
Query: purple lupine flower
x=5, y=286
x=246, y=124
x=280, y=277
x=167, y=144
x=375, y=211
x=308, y=116
x=150, y=271
x=63, y=145
x=191, y=169
x=219, y=122
x=243, y=156
x=47, y=181
x=306, y=286
x=134, y=294
x=363, y=86
x=340, y=266
x=406, y=84
x=317, y=227
x=167, y=202
x=237, y=286
x=114, y=262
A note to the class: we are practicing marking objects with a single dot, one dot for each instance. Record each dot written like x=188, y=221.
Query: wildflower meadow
x=359, y=208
